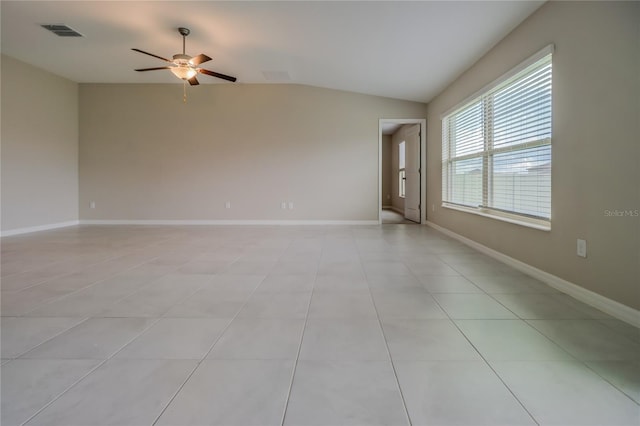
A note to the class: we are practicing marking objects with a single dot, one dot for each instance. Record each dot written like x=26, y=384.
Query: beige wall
x=386, y=170
x=39, y=147
x=144, y=155
x=596, y=146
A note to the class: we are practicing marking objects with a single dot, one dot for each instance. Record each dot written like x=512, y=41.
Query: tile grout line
x=386, y=344
x=474, y=347
x=609, y=382
x=55, y=276
x=82, y=321
x=204, y=357
x=143, y=286
x=580, y=361
x=490, y=295
x=100, y=364
x=96, y=282
x=527, y=322
x=304, y=329
x=482, y=356
x=31, y=269
x=64, y=296
x=45, y=281
x=496, y=373
x=58, y=396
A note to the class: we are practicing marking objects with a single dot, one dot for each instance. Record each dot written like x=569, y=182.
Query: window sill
x=504, y=217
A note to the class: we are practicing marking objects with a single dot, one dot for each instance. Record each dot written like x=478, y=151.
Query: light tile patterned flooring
x=389, y=216
x=375, y=325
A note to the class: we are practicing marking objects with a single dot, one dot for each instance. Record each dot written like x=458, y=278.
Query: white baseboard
x=615, y=309
x=389, y=207
x=39, y=228
x=229, y=222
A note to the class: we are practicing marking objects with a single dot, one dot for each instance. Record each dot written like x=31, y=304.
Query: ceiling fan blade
x=151, y=54
x=215, y=74
x=153, y=69
x=201, y=58
x=193, y=81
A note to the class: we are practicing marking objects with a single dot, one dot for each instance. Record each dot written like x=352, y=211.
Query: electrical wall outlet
x=290, y=205
x=283, y=205
x=582, y=248
x=227, y=205
x=92, y=205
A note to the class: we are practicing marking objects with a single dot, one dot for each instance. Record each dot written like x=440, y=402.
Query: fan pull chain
x=184, y=96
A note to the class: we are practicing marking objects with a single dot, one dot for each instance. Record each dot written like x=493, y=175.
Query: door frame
x=423, y=162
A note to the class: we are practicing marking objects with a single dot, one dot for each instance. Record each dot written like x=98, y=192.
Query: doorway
x=402, y=181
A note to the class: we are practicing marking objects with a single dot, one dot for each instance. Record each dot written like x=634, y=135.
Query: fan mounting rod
x=184, y=32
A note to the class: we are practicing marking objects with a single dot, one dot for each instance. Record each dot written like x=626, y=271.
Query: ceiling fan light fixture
x=183, y=72
x=184, y=66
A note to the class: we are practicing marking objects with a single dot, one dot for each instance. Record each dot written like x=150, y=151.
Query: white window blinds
x=496, y=151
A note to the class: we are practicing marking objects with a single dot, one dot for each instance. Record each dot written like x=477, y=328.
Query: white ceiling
x=404, y=50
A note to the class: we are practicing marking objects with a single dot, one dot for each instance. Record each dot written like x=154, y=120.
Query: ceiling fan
x=183, y=66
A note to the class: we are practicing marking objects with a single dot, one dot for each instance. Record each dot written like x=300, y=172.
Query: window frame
x=488, y=152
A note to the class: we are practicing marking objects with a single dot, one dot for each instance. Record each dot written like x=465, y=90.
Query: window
x=496, y=148
x=402, y=175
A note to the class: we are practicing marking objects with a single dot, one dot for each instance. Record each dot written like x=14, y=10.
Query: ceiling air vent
x=62, y=30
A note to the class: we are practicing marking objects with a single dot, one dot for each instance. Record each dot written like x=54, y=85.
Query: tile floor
x=372, y=325
x=389, y=216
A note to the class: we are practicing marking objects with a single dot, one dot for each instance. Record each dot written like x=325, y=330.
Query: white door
x=412, y=173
